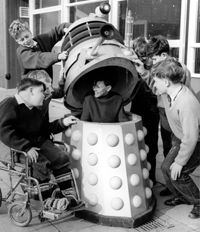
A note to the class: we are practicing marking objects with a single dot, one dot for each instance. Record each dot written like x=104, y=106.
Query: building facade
x=177, y=20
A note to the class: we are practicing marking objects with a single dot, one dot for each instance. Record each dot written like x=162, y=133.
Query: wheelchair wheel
x=0, y=197
x=20, y=220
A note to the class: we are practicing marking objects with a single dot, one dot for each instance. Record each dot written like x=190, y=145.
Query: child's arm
x=190, y=129
x=122, y=116
x=8, y=134
x=34, y=58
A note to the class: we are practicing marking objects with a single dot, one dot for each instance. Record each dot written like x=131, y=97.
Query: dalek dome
x=95, y=48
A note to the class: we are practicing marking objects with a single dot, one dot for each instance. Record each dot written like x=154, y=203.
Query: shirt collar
x=20, y=101
x=175, y=93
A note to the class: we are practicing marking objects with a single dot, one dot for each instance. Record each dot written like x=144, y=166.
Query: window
x=158, y=17
x=79, y=9
x=44, y=22
x=154, y=17
x=194, y=39
x=42, y=3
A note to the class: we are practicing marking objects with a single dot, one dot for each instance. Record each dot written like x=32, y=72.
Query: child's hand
x=63, y=55
x=33, y=154
x=175, y=170
x=139, y=65
x=70, y=120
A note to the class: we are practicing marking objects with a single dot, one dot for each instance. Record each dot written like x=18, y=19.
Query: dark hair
x=107, y=81
x=29, y=82
x=139, y=46
x=168, y=68
x=107, y=75
x=157, y=45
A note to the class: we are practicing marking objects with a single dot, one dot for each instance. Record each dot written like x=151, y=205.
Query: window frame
x=114, y=19
x=192, y=34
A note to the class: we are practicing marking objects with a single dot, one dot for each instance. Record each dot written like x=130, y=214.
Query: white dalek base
x=109, y=160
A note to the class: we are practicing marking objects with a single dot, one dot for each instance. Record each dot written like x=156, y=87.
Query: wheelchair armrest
x=19, y=157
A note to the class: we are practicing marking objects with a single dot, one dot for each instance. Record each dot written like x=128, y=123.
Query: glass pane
x=198, y=24
x=46, y=3
x=44, y=22
x=197, y=57
x=72, y=1
x=153, y=17
x=174, y=52
x=81, y=11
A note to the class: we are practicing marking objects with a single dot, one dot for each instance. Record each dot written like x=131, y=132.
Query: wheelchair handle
x=18, y=151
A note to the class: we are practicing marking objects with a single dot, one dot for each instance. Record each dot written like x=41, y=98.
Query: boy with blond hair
x=183, y=114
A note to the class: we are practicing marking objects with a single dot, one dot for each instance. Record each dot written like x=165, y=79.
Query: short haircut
x=168, y=68
x=107, y=75
x=17, y=27
x=107, y=80
x=39, y=75
x=29, y=82
x=139, y=46
x=157, y=45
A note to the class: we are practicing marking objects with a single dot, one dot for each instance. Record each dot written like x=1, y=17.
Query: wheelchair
x=20, y=211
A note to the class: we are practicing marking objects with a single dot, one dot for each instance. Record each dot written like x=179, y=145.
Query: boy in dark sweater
x=23, y=127
x=102, y=104
x=36, y=52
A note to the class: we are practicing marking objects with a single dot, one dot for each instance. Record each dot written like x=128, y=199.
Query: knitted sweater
x=184, y=119
x=41, y=56
x=104, y=109
x=22, y=128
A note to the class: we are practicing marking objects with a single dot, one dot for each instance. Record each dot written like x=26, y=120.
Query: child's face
x=158, y=58
x=160, y=84
x=100, y=89
x=49, y=89
x=25, y=39
x=37, y=96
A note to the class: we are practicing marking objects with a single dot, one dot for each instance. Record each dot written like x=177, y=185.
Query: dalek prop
x=109, y=160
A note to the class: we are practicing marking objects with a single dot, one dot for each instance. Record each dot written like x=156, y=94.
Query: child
x=23, y=127
x=183, y=114
x=145, y=105
x=158, y=49
x=103, y=105
x=50, y=92
x=36, y=53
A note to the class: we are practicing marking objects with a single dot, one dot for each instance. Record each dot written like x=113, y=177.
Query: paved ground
x=167, y=219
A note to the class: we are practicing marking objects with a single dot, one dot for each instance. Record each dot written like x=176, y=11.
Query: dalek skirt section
x=111, y=170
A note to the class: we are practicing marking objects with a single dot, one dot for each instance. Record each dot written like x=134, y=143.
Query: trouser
x=148, y=110
x=52, y=159
x=151, y=122
x=165, y=130
x=184, y=185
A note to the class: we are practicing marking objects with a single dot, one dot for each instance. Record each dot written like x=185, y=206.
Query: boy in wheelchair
x=23, y=127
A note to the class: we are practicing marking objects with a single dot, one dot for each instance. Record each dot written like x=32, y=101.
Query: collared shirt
x=175, y=94
x=20, y=100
